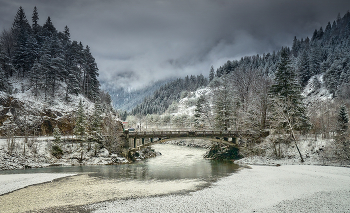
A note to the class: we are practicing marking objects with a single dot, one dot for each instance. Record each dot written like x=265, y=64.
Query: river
x=175, y=163
x=179, y=169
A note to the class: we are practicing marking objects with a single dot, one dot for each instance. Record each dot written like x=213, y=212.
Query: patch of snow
x=14, y=182
x=187, y=105
x=312, y=94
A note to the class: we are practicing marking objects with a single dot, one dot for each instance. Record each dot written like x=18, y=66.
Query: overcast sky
x=137, y=41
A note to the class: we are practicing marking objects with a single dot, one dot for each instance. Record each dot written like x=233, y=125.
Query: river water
x=175, y=163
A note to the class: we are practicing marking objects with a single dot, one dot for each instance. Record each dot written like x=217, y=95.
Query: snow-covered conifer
x=80, y=122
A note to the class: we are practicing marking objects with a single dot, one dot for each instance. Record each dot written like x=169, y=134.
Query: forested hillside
x=327, y=53
x=168, y=93
x=123, y=99
x=44, y=75
x=49, y=87
x=45, y=60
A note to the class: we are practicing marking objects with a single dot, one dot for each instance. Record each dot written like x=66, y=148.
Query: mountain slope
x=127, y=100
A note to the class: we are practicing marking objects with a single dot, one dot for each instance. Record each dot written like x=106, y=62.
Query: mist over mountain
x=321, y=60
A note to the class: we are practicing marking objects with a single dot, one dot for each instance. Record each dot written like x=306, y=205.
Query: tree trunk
x=296, y=145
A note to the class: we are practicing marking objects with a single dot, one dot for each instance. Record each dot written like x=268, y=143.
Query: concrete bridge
x=137, y=139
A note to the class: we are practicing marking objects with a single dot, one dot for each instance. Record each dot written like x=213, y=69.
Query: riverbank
x=291, y=188
x=314, y=152
x=38, y=154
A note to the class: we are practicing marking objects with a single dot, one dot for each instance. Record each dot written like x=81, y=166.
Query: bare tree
x=9, y=127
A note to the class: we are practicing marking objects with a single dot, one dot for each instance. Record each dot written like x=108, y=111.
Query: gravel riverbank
x=290, y=188
x=82, y=190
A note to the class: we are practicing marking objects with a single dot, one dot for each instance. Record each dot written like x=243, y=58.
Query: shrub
x=56, y=151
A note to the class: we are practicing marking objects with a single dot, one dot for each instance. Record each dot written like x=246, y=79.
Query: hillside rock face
x=32, y=120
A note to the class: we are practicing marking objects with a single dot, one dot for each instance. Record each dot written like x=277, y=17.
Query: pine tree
x=57, y=135
x=342, y=137
x=286, y=92
x=56, y=149
x=57, y=69
x=332, y=76
x=74, y=66
x=45, y=61
x=80, y=123
x=49, y=29
x=90, y=81
x=315, y=60
x=35, y=77
x=295, y=47
x=286, y=85
x=304, y=69
x=201, y=112
x=21, y=30
x=223, y=104
x=343, y=120
x=96, y=123
x=211, y=73
x=4, y=82
x=6, y=64
x=35, y=19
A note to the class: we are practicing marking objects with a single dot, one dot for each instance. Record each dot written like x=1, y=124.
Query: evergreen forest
x=46, y=59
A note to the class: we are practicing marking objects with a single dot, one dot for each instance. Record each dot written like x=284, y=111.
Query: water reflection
x=176, y=162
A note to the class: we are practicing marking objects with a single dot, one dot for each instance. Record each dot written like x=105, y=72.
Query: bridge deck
x=171, y=134
x=219, y=136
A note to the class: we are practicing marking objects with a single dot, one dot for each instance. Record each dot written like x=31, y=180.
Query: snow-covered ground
x=57, y=104
x=187, y=105
x=314, y=92
x=12, y=182
x=314, y=152
x=292, y=188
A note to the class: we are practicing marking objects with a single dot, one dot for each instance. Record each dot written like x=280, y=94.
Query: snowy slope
x=187, y=105
x=314, y=92
x=58, y=103
x=33, y=110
